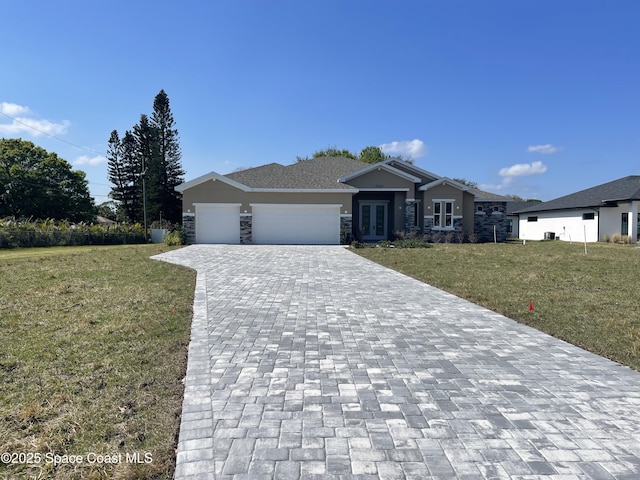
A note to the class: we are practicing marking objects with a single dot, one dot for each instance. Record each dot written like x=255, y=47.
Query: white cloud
x=523, y=170
x=91, y=161
x=544, y=149
x=23, y=121
x=407, y=148
x=13, y=109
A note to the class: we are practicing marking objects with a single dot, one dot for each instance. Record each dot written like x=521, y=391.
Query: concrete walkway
x=311, y=362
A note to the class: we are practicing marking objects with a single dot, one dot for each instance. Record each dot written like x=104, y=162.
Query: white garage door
x=217, y=222
x=296, y=224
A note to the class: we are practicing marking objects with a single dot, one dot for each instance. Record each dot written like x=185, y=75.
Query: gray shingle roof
x=482, y=196
x=623, y=189
x=516, y=206
x=316, y=173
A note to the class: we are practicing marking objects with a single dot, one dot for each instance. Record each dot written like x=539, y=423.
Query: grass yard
x=93, y=348
x=588, y=300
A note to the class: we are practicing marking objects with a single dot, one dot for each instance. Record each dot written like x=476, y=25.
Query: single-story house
x=513, y=219
x=591, y=214
x=332, y=199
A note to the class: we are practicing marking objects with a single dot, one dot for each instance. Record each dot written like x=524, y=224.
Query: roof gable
x=412, y=169
x=211, y=176
x=444, y=181
x=621, y=190
x=379, y=166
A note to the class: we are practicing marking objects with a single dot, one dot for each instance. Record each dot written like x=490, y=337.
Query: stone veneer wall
x=410, y=206
x=430, y=232
x=483, y=222
x=246, y=226
x=189, y=226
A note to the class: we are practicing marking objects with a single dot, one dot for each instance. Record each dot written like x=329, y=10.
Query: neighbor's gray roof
x=623, y=189
x=516, y=205
x=482, y=196
x=316, y=173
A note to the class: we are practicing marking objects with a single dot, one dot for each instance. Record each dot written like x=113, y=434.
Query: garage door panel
x=296, y=224
x=217, y=223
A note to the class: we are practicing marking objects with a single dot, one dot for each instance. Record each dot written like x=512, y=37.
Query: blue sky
x=538, y=98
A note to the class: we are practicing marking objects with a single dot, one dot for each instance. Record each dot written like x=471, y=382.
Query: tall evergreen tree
x=170, y=173
x=132, y=174
x=146, y=150
x=151, y=152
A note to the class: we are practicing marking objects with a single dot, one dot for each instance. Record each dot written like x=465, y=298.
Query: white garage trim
x=296, y=224
x=217, y=222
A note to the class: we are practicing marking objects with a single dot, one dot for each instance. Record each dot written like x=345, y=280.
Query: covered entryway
x=299, y=224
x=373, y=220
x=217, y=222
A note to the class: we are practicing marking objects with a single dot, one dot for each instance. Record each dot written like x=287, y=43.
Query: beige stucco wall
x=381, y=179
x=445, y=192
x=221, y=192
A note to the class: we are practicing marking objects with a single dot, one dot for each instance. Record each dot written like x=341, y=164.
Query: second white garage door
x=217, y=222
x=283, y=224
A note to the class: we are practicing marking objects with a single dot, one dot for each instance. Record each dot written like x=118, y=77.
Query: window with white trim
x=443, y=214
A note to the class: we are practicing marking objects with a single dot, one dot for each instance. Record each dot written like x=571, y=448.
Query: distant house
x=513, y=219
x=326, y=200
x=591, y=214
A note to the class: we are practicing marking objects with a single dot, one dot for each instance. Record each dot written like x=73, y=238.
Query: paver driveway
x=312, y=362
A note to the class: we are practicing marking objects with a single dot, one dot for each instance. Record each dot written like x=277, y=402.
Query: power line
x=52, y=136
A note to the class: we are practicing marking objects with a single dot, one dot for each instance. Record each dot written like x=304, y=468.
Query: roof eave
x=303, y=190
x=211, y=176
x=444, y=181
x=378, y=166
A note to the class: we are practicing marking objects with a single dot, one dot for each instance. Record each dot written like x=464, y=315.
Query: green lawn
x=93, y=347
x=588, y=300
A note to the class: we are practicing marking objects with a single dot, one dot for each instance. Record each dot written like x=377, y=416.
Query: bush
x=47, y=233
x=607, y=238
x=400, y=243
x=616, y=238
x=175, y=237
x=346, y=237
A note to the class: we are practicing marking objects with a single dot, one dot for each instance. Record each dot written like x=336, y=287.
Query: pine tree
x=132, y=172
x=146, y=152
x=145, y=166
x=125, y=173
x=170, y=171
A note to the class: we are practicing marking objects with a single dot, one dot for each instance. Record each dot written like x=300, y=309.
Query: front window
x=443, y=214
x=448, y=217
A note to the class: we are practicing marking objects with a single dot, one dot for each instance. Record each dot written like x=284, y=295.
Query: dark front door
x=373, y=220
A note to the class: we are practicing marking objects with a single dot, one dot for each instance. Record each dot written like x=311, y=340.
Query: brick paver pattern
x=312, y=362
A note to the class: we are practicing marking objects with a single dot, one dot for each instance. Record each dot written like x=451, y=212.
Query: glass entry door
x=373, y=221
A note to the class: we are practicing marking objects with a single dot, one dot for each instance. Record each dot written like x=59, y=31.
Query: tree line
x=144, y=165
x=369, y=154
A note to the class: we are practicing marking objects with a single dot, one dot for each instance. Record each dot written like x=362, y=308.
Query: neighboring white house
x=513, y=219
x=591, y=214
